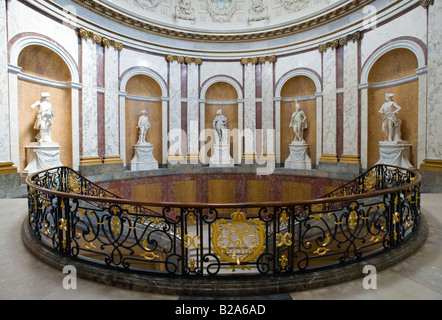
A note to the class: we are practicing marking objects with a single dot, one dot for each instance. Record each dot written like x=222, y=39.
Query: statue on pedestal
x=391, y=125
x=143, y=125
x=45, y=118
x=298, y=123
x=221, y=149
x=220, y=126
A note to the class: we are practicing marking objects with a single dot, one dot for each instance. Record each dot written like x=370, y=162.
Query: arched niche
x=44, y=70
x=143, y=93
x=301, y=89
x=224, y=96
x=385, y=75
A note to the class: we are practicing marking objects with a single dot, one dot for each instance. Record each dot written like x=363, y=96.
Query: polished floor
x=24, y=277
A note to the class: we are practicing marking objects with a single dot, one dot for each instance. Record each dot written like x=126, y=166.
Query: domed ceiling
x=225, y=20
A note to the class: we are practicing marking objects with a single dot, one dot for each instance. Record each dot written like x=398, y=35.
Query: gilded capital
x=267, y=59
x=426, y=3
x=189, y=60
x=246, y=61
x=171, y=58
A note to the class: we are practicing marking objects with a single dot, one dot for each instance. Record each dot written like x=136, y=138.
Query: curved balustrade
x=371, y=214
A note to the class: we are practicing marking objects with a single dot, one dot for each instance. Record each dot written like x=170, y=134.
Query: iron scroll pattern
x=371, y=214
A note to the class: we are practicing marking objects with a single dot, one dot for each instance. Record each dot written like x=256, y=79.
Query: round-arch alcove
x=392, y=66
x=45, y=64
x=222, y=96
x=298, y=87
x=144, y=93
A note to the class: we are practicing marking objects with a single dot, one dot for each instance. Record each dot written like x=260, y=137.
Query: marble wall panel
x=350, y=121
x=134, y=58
x=329, y=103
x=434, y=83
x=410, y=24
x=192, y=109
x=5, y=156
x=209, y=69
x=175, y=101
x=111, y=103
x=267, y=108
x=249, y=107
x=89, y=98
x=309, y=59
x=23, y=18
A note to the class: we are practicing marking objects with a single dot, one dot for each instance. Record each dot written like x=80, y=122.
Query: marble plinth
x=221, y=156
x=143, y=158
x=395, y=153
x=42, y=156
x=298, y=158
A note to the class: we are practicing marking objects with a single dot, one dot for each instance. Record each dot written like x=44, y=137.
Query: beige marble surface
x=24, y=277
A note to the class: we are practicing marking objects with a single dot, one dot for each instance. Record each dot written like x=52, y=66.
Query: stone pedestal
x=221, y=156
x=42, y=156
x=143, y=158
x=298, y=158
x=395, y=153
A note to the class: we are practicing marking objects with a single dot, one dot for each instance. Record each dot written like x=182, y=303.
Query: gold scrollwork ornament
x=239, y=241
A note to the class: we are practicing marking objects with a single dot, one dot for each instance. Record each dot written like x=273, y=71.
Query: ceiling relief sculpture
x=221, y=10
x=147, y=4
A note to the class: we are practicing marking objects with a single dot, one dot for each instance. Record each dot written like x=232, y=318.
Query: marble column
x=249, y=109
x=434, y=80
x=6, y=164
x=192, y=110
x=329, y=106
x=111, y=113
x=267, y=107
x=350, y=152
x=175, y=137
x=364, y=124
x=89, y=103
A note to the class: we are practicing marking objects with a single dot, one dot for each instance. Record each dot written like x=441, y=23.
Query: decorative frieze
x=340, y=42
x=101, y=40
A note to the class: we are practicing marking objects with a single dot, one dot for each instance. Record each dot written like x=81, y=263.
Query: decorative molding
x=221, y=16
x=350, y=159
x=184, y=10
x=431, y=165
x=426, y=3
x=340, y=42
x=101, y=40
x=258, y=11
x=329, y=158
x=7, y=168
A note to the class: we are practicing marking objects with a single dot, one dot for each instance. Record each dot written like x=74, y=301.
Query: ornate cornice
x=198, y=35
x=83, y=33
x=340, y=42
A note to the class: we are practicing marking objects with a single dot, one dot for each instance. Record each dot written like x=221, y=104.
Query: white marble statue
x=220, y=126
x=298, y=123
x=45, y=118
x=391, y=125
x=143, y=125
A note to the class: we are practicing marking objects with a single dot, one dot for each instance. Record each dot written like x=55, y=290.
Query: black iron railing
x=369, y=215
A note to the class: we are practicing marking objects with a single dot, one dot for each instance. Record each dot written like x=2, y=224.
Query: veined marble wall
x=102, y=61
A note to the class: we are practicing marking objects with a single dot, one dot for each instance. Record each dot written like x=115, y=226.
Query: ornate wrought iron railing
x=374, y=213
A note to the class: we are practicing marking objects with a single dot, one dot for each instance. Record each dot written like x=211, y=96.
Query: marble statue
x=45, y=118
x=391, y=125
x=143, y=125
x=220, y=126
x=298, y=123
